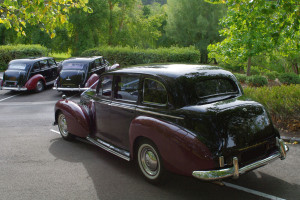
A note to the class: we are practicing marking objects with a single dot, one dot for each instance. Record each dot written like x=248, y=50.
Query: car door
x=53, y=71
x=35, y=69
x=44, y=70
x=114, y=128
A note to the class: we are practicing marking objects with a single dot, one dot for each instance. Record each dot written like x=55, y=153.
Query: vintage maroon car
x=188, y=119
x=29, y=74
x=78, y=74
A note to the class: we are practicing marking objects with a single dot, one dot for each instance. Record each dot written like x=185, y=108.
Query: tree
x=194, y=22
x=254, y=27
x=17, y=14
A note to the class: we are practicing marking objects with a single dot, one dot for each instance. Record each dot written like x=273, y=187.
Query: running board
x=110, y=148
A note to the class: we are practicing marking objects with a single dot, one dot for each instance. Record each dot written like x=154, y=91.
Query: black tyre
x=39, y=86
x=150, y=162
x=63, y=127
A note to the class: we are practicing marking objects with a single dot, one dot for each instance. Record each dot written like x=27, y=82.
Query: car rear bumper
x=13, y=88
x=235, y=171
x=70, y=89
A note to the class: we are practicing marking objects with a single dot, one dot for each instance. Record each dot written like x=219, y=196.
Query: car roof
x=29, y=60
x=81, y=59
x=173, y=71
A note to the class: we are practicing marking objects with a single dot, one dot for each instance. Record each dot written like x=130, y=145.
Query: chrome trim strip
x=110, y=148
x=14, y=88
x=235, y=171
x=69, y=89
x=159, y=114
x=124, y=106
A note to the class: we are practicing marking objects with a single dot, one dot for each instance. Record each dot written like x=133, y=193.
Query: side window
x=154, y=92
x=97, y=63
x=43, y=64
x=51, y=62
x=104, y=86
x=126, y=87
x=36, y=67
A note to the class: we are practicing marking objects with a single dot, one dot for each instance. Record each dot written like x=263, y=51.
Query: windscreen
x=73, y=66
x=18, y=66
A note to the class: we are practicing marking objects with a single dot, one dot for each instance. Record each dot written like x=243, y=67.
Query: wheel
x=63, y=127
x=39, y=86
x=150, y=162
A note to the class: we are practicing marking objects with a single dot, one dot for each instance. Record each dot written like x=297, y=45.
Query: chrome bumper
x=13, y=88
x=70, y=89
x=235, y=171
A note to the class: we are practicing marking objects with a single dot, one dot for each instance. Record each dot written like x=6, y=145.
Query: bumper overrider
x=235, y=171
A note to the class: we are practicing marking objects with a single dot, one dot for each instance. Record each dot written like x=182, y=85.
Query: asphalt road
x=35, y=163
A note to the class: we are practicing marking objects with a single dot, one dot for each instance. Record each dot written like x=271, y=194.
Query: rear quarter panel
x=180, y=150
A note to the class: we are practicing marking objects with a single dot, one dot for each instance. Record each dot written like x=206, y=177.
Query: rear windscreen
x=73, y=66
x=17, y=66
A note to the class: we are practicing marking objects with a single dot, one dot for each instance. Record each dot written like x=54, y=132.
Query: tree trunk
x=110, y=27
x=295, y=67
x=249, y=66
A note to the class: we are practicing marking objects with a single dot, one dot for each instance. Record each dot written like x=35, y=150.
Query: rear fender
x=93, y=78
x=180, y=150
x=31, y=83
x=77, y=117
x=1, y=83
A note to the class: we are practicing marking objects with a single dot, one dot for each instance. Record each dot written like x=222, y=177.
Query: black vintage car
x=29, y=74
x=77, y=74
x=189, y=119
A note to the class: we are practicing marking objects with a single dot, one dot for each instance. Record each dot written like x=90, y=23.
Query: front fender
x=31, y=83
x=77, y=117
x=93, y=78
x=180, y=150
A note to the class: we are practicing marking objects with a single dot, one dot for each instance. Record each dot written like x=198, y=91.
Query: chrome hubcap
x=149, y=160
x=39, y=86
x=62, y=124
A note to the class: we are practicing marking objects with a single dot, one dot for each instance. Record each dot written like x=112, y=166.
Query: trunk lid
x=12, y=78
x=71, y=78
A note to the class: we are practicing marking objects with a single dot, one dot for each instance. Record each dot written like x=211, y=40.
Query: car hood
x=71, y=78
x=231, y=126
x=16, y=76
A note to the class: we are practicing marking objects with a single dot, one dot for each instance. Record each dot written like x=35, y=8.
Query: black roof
x=29, y=60
x=173, y=71
x=81, y=60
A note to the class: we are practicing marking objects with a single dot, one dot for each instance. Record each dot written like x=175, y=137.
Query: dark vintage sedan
x=29, y=74
x=192, y=120
x=78, y=74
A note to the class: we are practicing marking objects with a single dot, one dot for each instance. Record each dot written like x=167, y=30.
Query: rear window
x=73, y=66
x=17, y=66
x=215, y=87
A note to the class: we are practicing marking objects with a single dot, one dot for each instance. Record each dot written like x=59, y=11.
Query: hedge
x=9, y=52
x=132, y=56
x=283, y=102
x=257, y=81
x=289, y=78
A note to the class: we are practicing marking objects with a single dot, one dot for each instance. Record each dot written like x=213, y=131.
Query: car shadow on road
x=114, y=178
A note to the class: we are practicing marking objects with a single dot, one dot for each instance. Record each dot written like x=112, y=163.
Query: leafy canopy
x=50, y=14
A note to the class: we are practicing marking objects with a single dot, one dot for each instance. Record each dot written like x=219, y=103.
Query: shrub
x=256, y=81
x=131, y=56
x=241, y=77
x=289, y=78
x=255, y=70
x=271, y=76
x=8, y=53
x=281, y=101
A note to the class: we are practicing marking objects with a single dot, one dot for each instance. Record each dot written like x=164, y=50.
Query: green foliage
x=256, y=81
x=271, y=75
x=50, y=14
x=289, y=78
x=283, y=102
x=241, y=77
x=255, y=28
x=194, y=22
x=131, y=56
x=8, y=53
